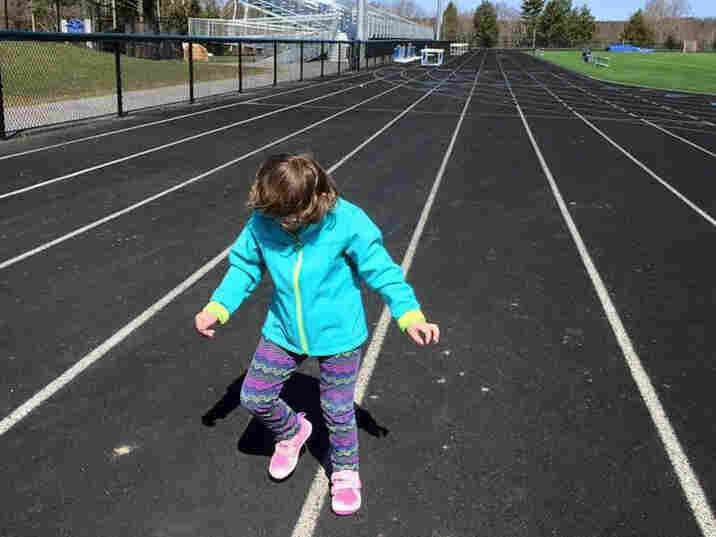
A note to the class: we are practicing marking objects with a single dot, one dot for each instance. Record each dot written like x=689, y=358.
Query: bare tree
x=666, y=17
x=406, y=8
x=511, y=26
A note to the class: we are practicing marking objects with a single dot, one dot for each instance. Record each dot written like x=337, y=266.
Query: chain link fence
x=53, y=78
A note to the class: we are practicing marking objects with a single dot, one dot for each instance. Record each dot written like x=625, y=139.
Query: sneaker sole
x=346, y=513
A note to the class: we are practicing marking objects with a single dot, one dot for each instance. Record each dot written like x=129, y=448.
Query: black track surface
x=523, y=421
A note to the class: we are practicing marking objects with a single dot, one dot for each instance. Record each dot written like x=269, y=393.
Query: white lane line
x=8, y=262
x=604, y=84
x=643, y=119
x=57, y=384
x=174, y=143
x=311, y=510
x=706, y=216
x=692, y=144
x=687, y=478
x=53, y=387
x=391, y=123
x=190, y=138
x=176, y=118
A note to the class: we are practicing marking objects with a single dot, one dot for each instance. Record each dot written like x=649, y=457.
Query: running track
x=560, y=230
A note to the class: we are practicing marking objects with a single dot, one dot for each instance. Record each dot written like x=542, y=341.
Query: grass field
x=35, y=73
x=666, y=70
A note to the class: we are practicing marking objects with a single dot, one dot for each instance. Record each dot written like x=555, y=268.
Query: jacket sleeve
x=380, y=272
x=246, y=268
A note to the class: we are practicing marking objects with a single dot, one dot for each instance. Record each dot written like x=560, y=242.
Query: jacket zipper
x=297, y=290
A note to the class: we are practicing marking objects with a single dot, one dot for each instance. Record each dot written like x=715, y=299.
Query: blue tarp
x=616, y=47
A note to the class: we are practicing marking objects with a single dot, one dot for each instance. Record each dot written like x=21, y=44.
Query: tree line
x=541, y=23
x=668, y=23
x=166, y=16
x=558, y=23
x=550, y=23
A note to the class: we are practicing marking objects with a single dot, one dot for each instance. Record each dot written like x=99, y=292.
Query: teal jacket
x=316, y=308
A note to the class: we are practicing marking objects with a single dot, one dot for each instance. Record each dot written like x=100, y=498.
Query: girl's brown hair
x=294, y=188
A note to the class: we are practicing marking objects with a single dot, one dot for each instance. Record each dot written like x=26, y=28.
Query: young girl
x=316, y=246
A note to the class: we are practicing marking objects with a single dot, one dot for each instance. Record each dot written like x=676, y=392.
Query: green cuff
x=215, y=308
x=410, y=318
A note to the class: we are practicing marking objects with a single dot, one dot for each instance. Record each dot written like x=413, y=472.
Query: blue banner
x=75, y=26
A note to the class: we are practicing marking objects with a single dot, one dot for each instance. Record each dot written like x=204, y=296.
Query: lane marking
x=643, y=119
x=11, y=261
x=57, y=384
x=312, y=506
x=692, y=144
x=631, y=157
x=182, y=116
x=687, y=478
x=172, y=144
x=53, y=387
x=620, y=88
x=200, y=135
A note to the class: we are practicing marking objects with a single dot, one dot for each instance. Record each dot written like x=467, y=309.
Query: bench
x=600, y=61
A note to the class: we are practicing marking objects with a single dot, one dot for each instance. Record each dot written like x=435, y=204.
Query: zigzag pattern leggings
x=272, y=366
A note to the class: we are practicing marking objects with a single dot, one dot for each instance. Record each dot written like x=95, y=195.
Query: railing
x=54, y=78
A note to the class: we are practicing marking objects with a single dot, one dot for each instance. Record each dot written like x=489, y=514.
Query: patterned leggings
x=272, y=366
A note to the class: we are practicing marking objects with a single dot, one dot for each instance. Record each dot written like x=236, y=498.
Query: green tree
x=581, y=25
x=572, y=26
x=449, y=31
x=485, y=23
x=587, y=24
x=636, y=30
x=554, y=24
x=531, y=11
x=45, y=12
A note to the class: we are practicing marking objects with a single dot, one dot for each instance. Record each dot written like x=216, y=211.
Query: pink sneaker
x=345, y=489
x=285, y=455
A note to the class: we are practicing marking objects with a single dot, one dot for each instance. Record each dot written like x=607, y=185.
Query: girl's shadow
x=302, y=393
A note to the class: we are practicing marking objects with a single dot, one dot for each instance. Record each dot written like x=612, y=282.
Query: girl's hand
x=203, y=322
x=429, y=330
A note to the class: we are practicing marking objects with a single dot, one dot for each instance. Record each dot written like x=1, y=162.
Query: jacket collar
x=304, y=233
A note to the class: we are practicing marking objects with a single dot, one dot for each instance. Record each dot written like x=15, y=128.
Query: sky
x=601, y=9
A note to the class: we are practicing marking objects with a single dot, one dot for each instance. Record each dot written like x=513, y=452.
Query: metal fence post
x=3, y=132
x=358, y=56
x=275, y=62
x=241, y=70
x=191, y=72
x=118, y=76
x=301, y=78
x=321, y=59
x=339, y=59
